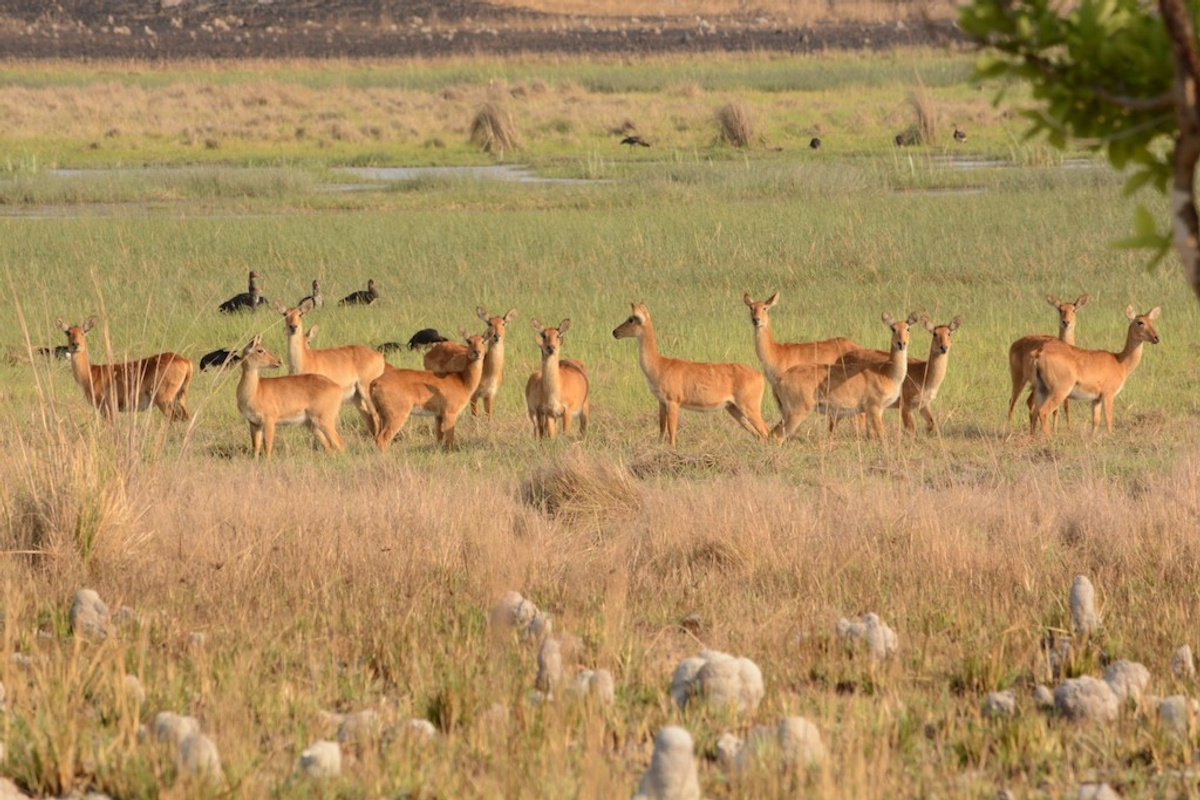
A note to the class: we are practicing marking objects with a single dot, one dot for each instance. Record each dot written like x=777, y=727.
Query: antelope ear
x=312, y=333
x=746, y=299
x=280, y=307
x=1052, y=300
x=537, y=326
x=887, y=320
x=91, y=323
x=772, y=300
x=927, y=323
x=305, y=307
x=510, y=316
x=1153, y=313
x=912, y=318
x=481, y=312
x=564, y=326
x=1082, y=301
x=954, y=323
x=537, y=339
x=62, y=326
x=1130, y=312
x=462, y=332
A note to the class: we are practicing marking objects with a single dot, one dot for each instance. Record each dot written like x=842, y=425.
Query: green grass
x=355, y=581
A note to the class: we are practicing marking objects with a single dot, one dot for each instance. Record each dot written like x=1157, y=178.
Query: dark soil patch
x=237, y=29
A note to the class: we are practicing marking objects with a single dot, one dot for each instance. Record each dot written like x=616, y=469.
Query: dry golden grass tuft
x=493, y=130
x=577, y=487
x=735, y=125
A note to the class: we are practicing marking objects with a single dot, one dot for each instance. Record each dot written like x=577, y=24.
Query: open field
x=360, y=581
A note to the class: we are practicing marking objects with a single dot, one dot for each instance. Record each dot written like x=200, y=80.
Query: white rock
x=515, y=613
x=9, y=791
x=1086, y=699
x=550, y=667
x=1000, y=704
x=672, y=773
x=198, y=757
x=729, y=747
x=1174, y=713
x=359, y=727
x=1183, y=664
x=1096, y=791
x=881, y=641
x=133, y=688
x=174, y=728
x=1043, y=698
x=89, y=614
x=597, y=684
x=322, y=759
x=1127, y=679
x=719, y=679
x=421, y=728
x=1083, y=606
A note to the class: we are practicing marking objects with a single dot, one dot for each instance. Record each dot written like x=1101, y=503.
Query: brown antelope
x=778, y=357
x=693, y=385
x=401, y=392
x=351, y=367
x=924, y=378
x=560, y=389
x=130, y=386
x=859, y=383
x=312, y=400
x=1020, y=350
x=448, y=357
x=1064, y=371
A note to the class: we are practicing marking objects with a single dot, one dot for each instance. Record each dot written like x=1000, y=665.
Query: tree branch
x=1185, y=223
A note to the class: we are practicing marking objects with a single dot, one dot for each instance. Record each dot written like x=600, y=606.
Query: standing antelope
x=859, y=383
x=778, y=357
x=130, y=386
x=693, y=385
x=560, y=389
x=312, y=400
x=401, y=392
x=1064, y=371
x=924, y=378
x=1021, y=349
x=351, y=367
x=448, y=357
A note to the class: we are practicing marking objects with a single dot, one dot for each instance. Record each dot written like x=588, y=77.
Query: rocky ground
x=232, y=29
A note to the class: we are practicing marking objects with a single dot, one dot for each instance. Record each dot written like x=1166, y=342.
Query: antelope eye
x=1141, y=324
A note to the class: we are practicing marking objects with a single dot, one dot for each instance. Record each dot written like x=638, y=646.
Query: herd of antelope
x=836, y=377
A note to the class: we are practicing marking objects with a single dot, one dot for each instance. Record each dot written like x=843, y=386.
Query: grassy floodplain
x=364, y=582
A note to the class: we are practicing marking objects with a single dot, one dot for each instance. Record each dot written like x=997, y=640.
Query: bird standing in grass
x=248, y=300
x=316, y=297
x=363, y=297
x=960, y=135
x=815, y=144
x=633, y=140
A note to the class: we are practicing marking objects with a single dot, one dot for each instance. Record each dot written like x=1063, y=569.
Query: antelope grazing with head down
x=130, y=386
x=1021, y=349
x=693, y=385
x=311, y=400
x=1063, y=371
x=400, y=392
x=559, y=391
x=858, y=383
x=448, y=357
x=351, y=367
x=778, y=357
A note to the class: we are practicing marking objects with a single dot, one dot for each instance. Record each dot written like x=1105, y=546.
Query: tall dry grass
x=365, y=586
x=735, y=125
x=493, y=130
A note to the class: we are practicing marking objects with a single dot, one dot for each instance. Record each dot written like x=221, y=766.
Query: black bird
x=60, y=351
x=815, y=144
x=219, y=358
x=424, y=338
x=316, y=298
x=634, y=140
x=363, y=297
x=960, y=135
x=248, y=300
